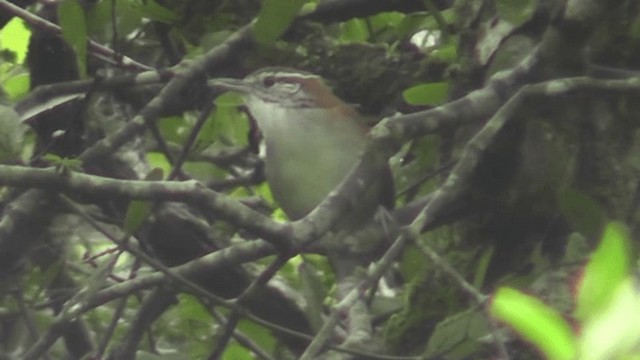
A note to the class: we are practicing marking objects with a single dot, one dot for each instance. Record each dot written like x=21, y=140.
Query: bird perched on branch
x=313, y=139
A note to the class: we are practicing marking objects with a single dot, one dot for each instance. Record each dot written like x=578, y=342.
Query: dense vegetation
x=136, y=222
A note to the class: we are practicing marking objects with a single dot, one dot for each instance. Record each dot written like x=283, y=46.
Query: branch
x=191, y=191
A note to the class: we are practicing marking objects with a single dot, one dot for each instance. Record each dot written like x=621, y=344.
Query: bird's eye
x=268, y=81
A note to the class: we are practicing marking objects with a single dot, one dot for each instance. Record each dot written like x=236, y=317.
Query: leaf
x=458, y=335
x=190, y=309
x=234, y=351
x=447, y=52
x=413, y=23
x=130, y=14
x=15, y=37
x=608, y=267
x=12, y=135
x=154, y=11
x=426, y=94
x=354, y=30
x=158, y=160
x=483, y=265
x=614, y=332
x=227, y=124
x=517, y=12
x=258, y=334
x=583, y=213
x=634, y=29
x=17, y=86
x=412, y=264
x=138, y=211
x=274, y=19
x=74, y=31
x=63, y=165
x=384, y=20
x=174, y=128
x=314, y=293
x=535, y=322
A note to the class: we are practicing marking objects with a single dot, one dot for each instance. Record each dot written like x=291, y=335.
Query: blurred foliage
x=605, y=295
x=544, y=192
x=74, y=31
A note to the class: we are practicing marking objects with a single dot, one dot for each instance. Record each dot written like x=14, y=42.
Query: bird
x=313, y=139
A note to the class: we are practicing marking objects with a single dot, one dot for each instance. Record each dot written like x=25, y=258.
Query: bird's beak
x=228, y=84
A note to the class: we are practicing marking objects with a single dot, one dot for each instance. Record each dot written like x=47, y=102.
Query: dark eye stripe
x=269, y=81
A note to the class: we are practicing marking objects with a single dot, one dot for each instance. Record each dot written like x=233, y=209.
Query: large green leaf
x=154, y=11
x=139, y=210
x=516, y=12
x=130, y=15
x=274, y=18
x=174, y=128
x=14, y=37
x=535, y=322
x=74, y=31
x=314, y=293
x=608, y=267
x=17, y=86
x=12, y=135
x=583, y=213
x=426, y=94
x=354, y=30
x=226, y=123
x=458, y=335
x=614, y=332
x=483, y=264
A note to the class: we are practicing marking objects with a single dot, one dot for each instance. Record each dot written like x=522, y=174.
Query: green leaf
x=389, y=19
x=234, y=351
x=226, y=124
x=274, y=19
x=14, y=37
x=426, y=94
x=517, y=12
x=191, y=309
x=74, y=31
x=614, y=332
x=535, y=322
x=158, y=160
x=229, y=99
x=174, y=128
x=12, y=135
x=412, y=23
x=354, y=30
x=138, y=211
x=17, y=86
x=314, y=293
x=583, y=213
x=608, y=267
x=483, y=265
x=634, y=29
x=447, y=52
x=258, y=334
x=63, y=164
x=457, y=335
x=130, y=14
x=412, y=264
x=154, y=11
